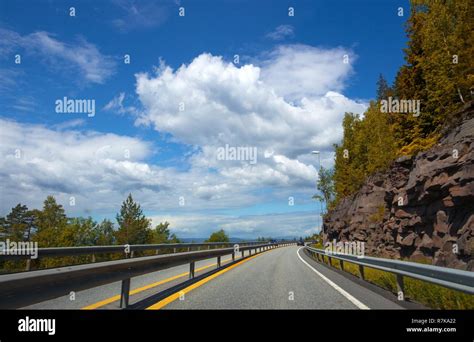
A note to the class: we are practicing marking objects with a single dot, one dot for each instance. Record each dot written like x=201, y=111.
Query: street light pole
x=319, y=170
x=319, y=158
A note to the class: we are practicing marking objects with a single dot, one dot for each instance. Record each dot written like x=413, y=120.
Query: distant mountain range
x=234, y=239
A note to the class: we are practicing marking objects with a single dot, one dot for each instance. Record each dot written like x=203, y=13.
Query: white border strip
x=353, y=300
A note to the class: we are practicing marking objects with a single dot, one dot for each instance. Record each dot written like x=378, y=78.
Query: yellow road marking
x=144, y=288
x=176, y=295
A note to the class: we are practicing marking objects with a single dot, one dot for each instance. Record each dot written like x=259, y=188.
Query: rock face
x=421, y=209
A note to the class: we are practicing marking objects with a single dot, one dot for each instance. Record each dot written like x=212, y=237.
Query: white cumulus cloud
x=284, y=105
x=212, y=103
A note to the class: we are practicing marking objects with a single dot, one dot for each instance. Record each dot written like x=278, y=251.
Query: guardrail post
x=93, y=257
x=243, y=253
x=191, y=270
x=342, y=264
x=329, y=261
x=233, y=256
x=28, y=264
x=218, y=261
x=131, y=254
x=361, y=272
x=174, y=250
x=400, y=287
x=124, y=293
x=189, y=249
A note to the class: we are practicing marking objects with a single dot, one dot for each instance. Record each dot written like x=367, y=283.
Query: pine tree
x=134, y=227
x=19, y=223
x=447, y=65
x=51, y=222
x=439, y=68
x=383, y=89
x=161, y=233
x=410, y=82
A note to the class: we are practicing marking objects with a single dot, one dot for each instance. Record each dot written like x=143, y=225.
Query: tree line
x=438, y=72
x=50, y=227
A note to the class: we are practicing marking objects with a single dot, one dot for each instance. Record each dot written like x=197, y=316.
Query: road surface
x=282, y=278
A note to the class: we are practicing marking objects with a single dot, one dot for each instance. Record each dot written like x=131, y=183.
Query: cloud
x=37, y=161
x=281, y=32
x=94, y=67
x=297, y=71
x=140, y=14
x=99, y=170
x=294, y=224
x=9, y=79
x=116, y=105
x=24, y=103
x=10, y=41
x=203, y=106
x=210, y=103
x=69, y=124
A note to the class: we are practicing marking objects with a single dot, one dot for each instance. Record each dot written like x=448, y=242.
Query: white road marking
x=354, y=300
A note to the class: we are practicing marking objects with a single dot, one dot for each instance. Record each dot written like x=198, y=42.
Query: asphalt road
x=282, y=278
x=107, y=296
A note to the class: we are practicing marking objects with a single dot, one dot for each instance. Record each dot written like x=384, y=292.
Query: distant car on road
x=300, y=243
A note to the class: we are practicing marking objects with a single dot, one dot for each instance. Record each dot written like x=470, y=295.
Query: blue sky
x=160, y=119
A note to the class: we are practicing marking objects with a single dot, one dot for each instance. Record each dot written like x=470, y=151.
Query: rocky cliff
x=421, y=208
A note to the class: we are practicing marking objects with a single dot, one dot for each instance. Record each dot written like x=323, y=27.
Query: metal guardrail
x=27, y=288
x=447, y=277
x=128, y=250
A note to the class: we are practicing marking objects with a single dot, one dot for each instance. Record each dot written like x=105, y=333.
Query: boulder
x=441, y=224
